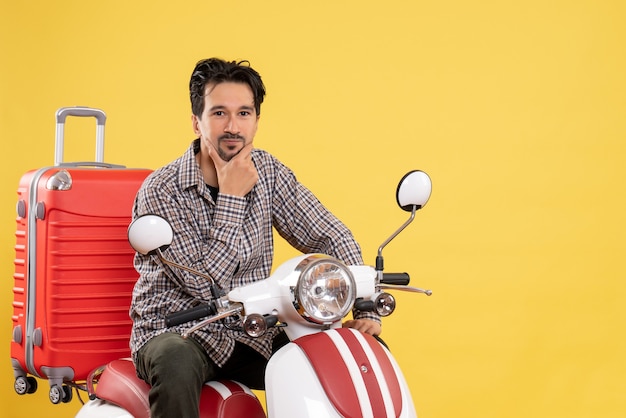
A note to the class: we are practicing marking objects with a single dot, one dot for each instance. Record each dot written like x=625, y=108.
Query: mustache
x=231, y=136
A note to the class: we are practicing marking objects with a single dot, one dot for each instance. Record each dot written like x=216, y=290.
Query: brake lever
x=235, y=309
x=427, y=292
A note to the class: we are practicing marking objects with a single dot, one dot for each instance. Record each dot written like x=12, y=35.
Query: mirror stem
x=379, y=257
x=180, y=266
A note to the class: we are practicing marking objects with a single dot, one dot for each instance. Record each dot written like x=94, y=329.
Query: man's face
x=229, y=120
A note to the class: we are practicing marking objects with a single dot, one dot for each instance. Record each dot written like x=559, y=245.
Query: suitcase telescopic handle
x=80, y=111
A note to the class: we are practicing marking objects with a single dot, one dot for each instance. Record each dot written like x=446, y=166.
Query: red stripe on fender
x=371, y=382
x=331, y=372
x=390, y=374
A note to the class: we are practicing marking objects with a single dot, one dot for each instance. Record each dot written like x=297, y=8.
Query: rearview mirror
x=413, y=190
x=150, y=233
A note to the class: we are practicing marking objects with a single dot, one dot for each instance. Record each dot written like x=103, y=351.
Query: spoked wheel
x=56, y=394
x=25, y=384
x=60, y=394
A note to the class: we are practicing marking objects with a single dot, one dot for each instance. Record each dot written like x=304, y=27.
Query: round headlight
x=325, y=291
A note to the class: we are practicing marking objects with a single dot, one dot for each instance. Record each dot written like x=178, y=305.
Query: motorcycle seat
x=118, y=383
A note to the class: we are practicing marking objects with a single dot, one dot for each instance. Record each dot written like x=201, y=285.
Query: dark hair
x=215, y=70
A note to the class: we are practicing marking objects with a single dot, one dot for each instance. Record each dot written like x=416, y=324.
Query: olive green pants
x=176, y=368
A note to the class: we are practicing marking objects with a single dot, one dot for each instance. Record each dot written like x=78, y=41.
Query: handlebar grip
x=400, y=279
x=188, y=315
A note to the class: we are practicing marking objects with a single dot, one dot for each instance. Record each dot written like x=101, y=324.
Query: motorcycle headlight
x=325, y=291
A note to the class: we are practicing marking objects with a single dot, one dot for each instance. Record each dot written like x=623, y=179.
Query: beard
x=228, y=153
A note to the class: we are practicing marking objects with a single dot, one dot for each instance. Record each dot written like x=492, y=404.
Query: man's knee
x=169, y=356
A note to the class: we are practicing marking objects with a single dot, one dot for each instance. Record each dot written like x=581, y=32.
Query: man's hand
x=237, y=176
x=366, y=326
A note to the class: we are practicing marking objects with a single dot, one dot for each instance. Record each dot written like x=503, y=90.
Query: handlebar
x=398, y=279
x=191, y=314
x=233, y=309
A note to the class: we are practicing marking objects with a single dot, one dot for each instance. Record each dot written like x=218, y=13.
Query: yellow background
x=516, y=109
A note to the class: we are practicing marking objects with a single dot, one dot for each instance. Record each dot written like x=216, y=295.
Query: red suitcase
x=74, y=271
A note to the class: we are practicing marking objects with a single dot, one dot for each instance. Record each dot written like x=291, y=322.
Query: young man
x=222, y=198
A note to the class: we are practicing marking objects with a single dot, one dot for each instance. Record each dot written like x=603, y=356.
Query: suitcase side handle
x=80, y=111
x=95, y=164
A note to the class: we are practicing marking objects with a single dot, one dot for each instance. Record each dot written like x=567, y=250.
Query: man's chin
x=228, y=155
x=228, y=149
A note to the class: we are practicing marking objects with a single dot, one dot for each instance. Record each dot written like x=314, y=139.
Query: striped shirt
x=230, y=240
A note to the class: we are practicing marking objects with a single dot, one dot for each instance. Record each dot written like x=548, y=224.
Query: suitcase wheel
x=60, y=394
x=25, y=384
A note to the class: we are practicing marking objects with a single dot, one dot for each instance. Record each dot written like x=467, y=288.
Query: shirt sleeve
x=303, y=221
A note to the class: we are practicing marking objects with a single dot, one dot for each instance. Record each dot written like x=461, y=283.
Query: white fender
x=294, y=389
x=102, y=409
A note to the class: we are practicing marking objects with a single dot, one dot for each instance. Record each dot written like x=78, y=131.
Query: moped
x=324, y=371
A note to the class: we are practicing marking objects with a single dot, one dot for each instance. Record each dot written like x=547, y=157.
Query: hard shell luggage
x=74, y=271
